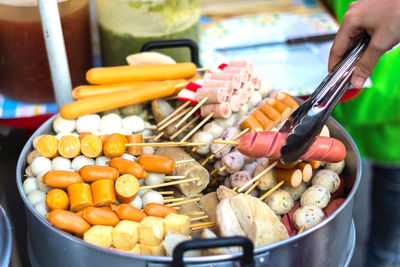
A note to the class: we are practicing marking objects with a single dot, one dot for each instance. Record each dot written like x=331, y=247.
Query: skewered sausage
x=269, y=144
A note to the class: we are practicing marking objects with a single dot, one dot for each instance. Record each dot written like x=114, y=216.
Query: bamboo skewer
x=175, y=177
x=301, y=230
x=191, y=112
x=226, y=142
x=149, y=137
x=214, y=171
x=223, y=168
x=169, y=197
x=252, y=187
x=173, y=199
x=175, y=118
x=214, y=180
x=202, y=69
x=195, y=225
x=158, y=136
x=167, y=144
x=184, y=161
x=176, y=111
x=166, y=192
x=270, y=167
x=272, y=190
x=194, y=213
x=184, y=202
x=199, y=218
x=150, y=127
x=187, y=125
x=169, y=183
x=197, y=127
x=235, y=188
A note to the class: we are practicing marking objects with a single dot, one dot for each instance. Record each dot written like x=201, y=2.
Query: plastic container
x=24, y=69
x=126, y=25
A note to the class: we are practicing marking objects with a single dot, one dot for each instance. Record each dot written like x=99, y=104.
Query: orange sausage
x=134, y=150
x=127, y=211
x=158, y=210
x=292, y=177
x=114, y=146
x=100, y=216
x=68, y=221
x=69, y=146
x=251, y=123
x=262, y=119
x=306, y=170
x=270, y=111
x=91, y=173
x=119, y=74
x=315, y=164
x=80, y=196
x=103, y=192
x=125, y=166
x=157, y=164
x=126, y=188
x=287, y=100
x=47, y=146
x=85, y=91
x=91, y=146
x=61, y=179
x=108, y=101
x=280, y=107
x=57, y=199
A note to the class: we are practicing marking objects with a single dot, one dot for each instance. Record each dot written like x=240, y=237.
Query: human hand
x=381, y=20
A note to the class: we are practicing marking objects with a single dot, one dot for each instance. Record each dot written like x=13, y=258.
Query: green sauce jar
x=126, y=25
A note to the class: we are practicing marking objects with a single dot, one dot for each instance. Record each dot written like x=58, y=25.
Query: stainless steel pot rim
x=200, y=259
x=5, y=237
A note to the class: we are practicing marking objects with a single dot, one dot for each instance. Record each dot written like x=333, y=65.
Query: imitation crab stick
x=119, y=74
x=113, y=100
x=85, y=91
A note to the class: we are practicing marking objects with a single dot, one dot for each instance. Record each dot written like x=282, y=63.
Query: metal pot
x=5, y=239
x=330, y=243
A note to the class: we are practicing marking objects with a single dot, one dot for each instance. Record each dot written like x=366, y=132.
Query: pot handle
x=246, y=260
x=194, y=49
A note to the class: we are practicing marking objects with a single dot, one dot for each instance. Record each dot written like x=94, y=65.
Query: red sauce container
x=24, y=69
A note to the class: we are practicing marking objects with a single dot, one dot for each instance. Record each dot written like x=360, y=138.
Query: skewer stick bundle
x=169, y=183
x=184, y=202
x=191, y=112
x=181, y=130
x=226, y=142
x=166, y=192
x=199, y=218
x=173, y=199
x=198, y=226
x=172, y=114
x=166, y=124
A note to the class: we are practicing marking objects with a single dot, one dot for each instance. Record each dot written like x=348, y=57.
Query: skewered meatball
x=234, y=161
x=280, y=202
x=316, y=195
x=328, y=179
x=307, y=216
x=295, y=192
x=336, y=167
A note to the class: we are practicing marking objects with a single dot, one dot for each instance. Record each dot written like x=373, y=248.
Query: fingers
x=345, y=38
x=367, y=63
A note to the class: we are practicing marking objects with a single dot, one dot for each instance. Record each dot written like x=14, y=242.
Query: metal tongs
x=309, y=118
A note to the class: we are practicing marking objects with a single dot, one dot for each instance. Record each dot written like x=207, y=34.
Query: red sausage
x=333, y=206
x=268, y=144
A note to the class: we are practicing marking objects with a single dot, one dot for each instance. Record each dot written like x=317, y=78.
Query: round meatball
x=88, y=123
x=148, y=150
x=61, y=125
x=109, y=123
x=280, y=202
x=239, y=179
x=36, y=196
x=218, y=165
x=29, y=185
x=154, y=178
x=234, y=161
x=295, y=192
x=39, y=165
x=316, y=195
x=137, y=202
x=255, y=98
x=250, y=167
x=60, y=164
x=328, y=179
x=307, y=216
x=214, y=129
x=225, y=150
x=80, y=161
x=203, y=137
x=102, y=161
x=42, y=208
x=267, y=181
x=336, y=167
x=133, y=123
x=230, y=132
